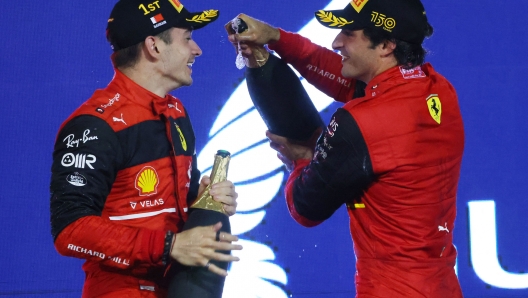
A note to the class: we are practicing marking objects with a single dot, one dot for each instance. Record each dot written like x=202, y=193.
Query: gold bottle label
x=218, y=174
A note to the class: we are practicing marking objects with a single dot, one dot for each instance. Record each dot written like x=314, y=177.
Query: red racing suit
x=124, y=169
x=393, y=157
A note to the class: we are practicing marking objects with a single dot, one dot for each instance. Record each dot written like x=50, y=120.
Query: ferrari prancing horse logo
x=435, y=107
x=182, y=138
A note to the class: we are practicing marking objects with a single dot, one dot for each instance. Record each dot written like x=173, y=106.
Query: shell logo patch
x=358, y=4
x=147, y=181
x=182, y=138
x=435, y=107
x=177, y=5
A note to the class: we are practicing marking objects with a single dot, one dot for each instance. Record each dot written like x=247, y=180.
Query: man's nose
x=337, y=43
x=196, y=50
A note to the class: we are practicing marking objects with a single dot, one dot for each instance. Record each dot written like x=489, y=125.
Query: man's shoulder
x=105, y=104
x=102, y=103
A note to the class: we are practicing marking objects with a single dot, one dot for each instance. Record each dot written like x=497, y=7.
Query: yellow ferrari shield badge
x=435, y=107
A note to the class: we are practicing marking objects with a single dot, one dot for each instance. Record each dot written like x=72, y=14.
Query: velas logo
x=147, y=181
x=177, y=5
x=358, y=4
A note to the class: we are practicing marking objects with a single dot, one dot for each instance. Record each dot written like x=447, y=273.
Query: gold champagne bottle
x=199, y=282
x=218, y=174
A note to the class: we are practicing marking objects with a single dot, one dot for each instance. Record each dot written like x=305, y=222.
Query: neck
x=147, y=77
x=384, y=65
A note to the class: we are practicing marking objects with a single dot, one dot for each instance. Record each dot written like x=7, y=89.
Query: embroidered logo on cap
x=380, y=19
x=157, y=18
x=177, y=5
x=328, y=17
x=206, y=16
x=358, y=4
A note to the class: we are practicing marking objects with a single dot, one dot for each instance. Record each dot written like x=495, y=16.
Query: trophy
x=277, y=92
x=199, y=282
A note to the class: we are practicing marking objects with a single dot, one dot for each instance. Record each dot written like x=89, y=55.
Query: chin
x=187, y=82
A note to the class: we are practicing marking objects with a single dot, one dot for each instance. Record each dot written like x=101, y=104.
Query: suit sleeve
x=339, y=172
x=86, y=158
x=319, y=65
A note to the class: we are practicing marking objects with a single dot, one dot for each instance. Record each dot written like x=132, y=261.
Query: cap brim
x=197, y=20
x=335, y=19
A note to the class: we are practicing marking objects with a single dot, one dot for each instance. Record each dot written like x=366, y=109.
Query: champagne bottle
x=282, y=101
x=199, y=282
x=277, y=92
x=218, y=174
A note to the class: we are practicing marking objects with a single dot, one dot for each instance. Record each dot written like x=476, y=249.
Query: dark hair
x=128, y=57
x=407, y=54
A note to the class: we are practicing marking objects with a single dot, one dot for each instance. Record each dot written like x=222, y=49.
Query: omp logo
x=147, y=181
x=78, y=160
x=358, y=4
x=435, y=107
x=381, y=20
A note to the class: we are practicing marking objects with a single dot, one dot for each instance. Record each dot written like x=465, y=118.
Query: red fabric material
x=402, y=236
x=298, y=167
x=124, y=245
x=103, y=241
x=320, y=66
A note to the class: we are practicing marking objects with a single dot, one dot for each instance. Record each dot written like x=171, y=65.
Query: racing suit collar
x=142, y=96
x=400, y=74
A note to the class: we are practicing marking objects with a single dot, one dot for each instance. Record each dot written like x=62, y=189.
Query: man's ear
x=388, y=47
x=150, y=45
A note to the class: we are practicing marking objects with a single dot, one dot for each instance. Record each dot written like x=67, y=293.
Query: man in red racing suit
x=124, y=165
x=392, y=156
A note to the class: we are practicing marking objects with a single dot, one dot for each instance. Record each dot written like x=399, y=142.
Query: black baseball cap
x=131, y=21
x=403, y=19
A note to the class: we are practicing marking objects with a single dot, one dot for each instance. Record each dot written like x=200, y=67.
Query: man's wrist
x=169, y=238
x=275, y=36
